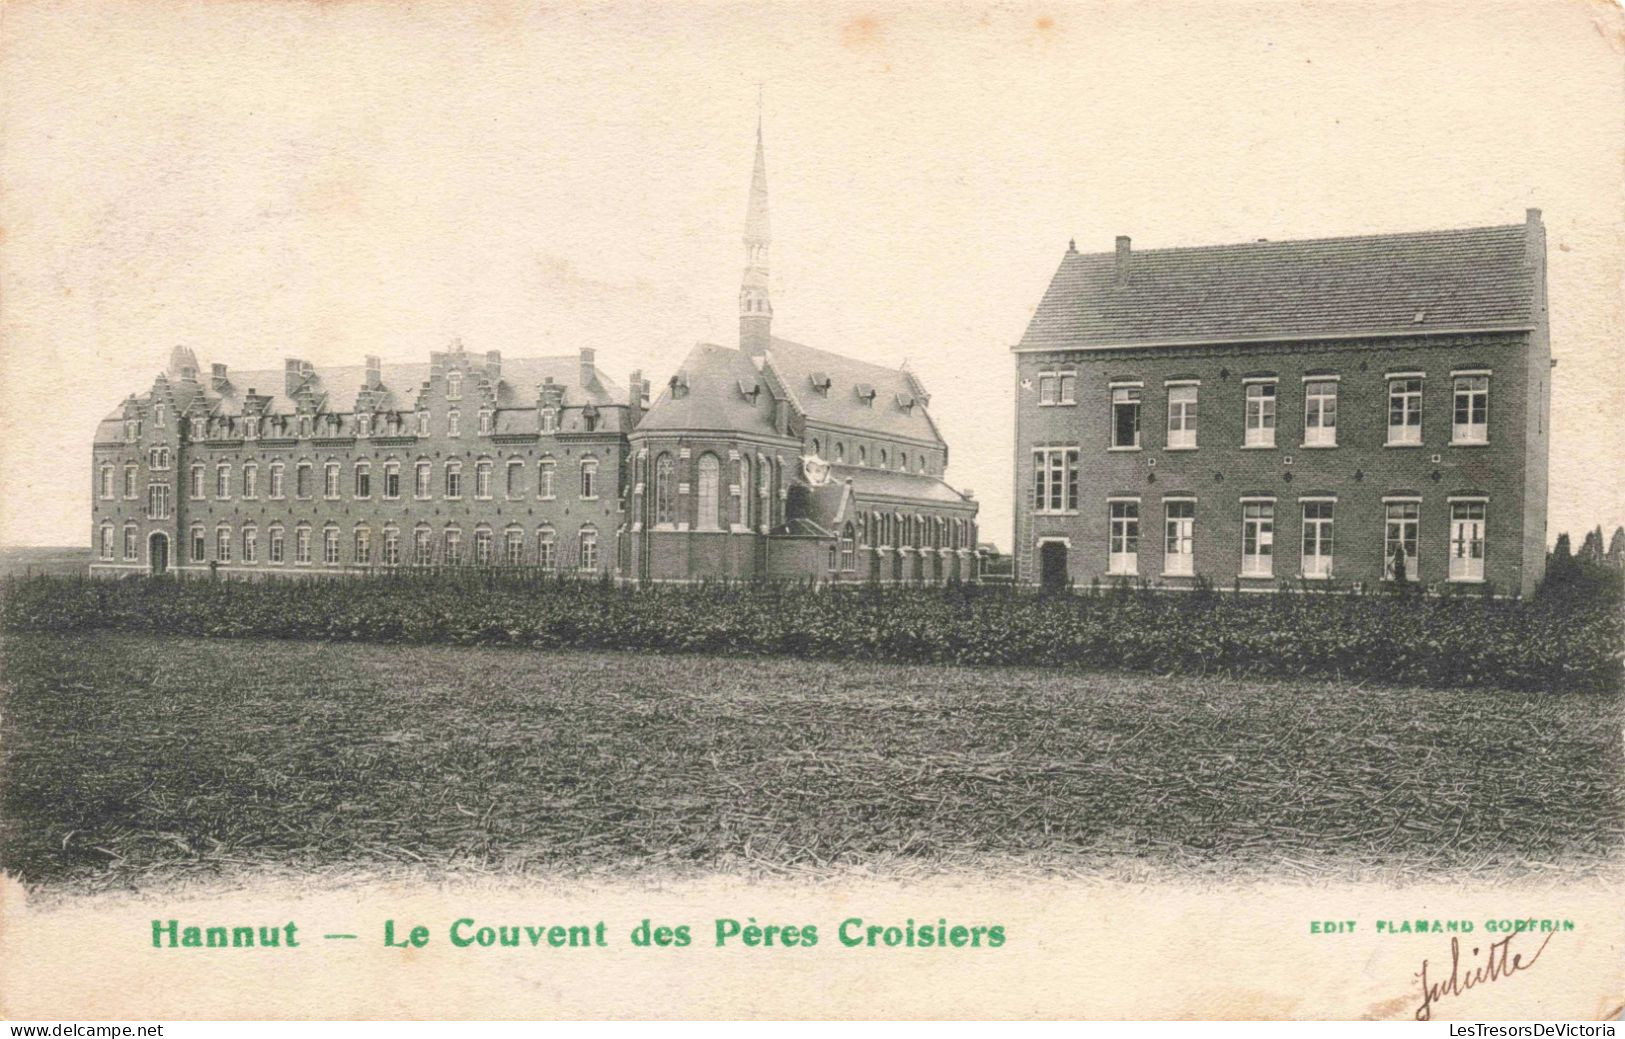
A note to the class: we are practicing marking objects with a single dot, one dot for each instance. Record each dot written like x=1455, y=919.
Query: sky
x=264, y=180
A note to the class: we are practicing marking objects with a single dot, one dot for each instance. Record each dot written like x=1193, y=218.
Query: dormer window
x=454, y=386
x=158, y=416
x=906, y=402
x=423, y=423
x=866, y=393
x=820, y=382
x=679, y=386
x=252, y=425
x=305, y=425
x=363, y=425
x=550, y=420
x=485, y=423
x=749, y=388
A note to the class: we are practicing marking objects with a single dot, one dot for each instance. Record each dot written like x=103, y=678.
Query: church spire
x=755, y=308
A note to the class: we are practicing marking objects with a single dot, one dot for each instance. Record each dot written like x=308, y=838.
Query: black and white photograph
x=764, y=511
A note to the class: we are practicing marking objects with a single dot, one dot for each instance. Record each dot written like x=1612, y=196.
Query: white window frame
x=222, y=543
x=222, y=481
x=1319, y=405
x=1475, y=386
x=1262, y=412
x=361, y=546
x=483, y=470
x=1179, y=533
x=1408, y=431
x=361, y=481
x=331, y=476
x=589, y=479
x=1409, y=529
x=587, y=550
x=547, y=540
x=1123, y=537
x=330, y=546
x=1258, y=526
x=1057, y=388
x=1182, y=414
x=278, y=489
x=422, y=481
x=1318, y=538
x=547, y=471
x=1469, y=525
x=514, y=475
x=1126, y=395
x=452, y=482
x=251, y=544
x=251, y=481
x=1055, y=481
x=301, y=545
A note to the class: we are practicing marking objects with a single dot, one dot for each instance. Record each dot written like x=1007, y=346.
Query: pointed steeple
x=755, y=308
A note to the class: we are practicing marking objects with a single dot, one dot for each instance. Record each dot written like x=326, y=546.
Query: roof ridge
x=1330, y=239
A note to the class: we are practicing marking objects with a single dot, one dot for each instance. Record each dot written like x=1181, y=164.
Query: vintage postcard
x=963, y=510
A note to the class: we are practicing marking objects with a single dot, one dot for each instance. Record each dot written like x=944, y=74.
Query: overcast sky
x=331, y=180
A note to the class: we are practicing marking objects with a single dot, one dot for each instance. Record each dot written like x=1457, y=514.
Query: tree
x=1616, y=549
x=1590, y=553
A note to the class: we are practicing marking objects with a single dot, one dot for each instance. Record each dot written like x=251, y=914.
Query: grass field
x=30, y=560
x=138, y=760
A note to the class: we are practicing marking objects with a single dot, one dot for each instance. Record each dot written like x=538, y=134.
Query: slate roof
x=1473, y=278
x=713, y=399
x=870, y=484
x=796, y=366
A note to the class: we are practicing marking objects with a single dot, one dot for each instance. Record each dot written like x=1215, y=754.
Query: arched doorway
x=1052, y=565
x=157, y=553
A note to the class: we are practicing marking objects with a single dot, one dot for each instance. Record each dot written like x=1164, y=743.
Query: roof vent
x=1421, y=316
x=1124, y=257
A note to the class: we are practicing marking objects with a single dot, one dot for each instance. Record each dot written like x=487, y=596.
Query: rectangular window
x=516, y=478
x=1182, y=416
x=420, y=488
x=275, y=554
x=454, y=481
x=1125, y=538
x=251, y=480
x=129, y=481
x=222, y=545
x=1467, y=541
x=129, y=542
x=330, y=481
x=330, y=546
x=1260, y=414
x=1405, y=410
x=1126, y=417
x=514, y=547
x=1057, y=388
x=251, y=546
x=158, y=501
x=1257, y=539
x=301, y=545
x=1179, y=545
x=363, y=547
x=107, y=482
x=195, y=488
x=454, y=547
x=392, y=548
x=422, y=548
x=544, y=479
x=1320, y=413
x=276, y=480
x=363, y=481
x=200, y=545
x=1399, y=539
x=222, y=481
x=1471, y=424
x=392, y=480
x=482, y=548
x=302, y=480
x=1317, y=538
x=107, y=542
x=1055, y=479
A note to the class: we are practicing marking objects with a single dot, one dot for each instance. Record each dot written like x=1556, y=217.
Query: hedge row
x=1544, y=644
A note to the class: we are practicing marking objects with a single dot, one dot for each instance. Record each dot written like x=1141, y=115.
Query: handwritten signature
x=1499, y=962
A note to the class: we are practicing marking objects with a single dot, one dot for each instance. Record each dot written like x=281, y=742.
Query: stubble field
x=139, y=761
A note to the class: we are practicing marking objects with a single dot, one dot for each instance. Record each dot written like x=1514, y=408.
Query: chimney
x=375, y=375
x=291, y=377
x=1534, y=238
x=589, y=371
x=1123, y=259
x=218, y=379
x=493, y=366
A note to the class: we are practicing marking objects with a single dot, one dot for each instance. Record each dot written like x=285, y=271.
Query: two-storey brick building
x=1322, y=410
x=769, y=460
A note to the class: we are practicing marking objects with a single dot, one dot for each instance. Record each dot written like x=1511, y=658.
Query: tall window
x=392, y=547
x=251, y=480
x=516, y=478
x=276, y=480
x=363, y=546
x=194, y=484
x=544, y=478
x=849, y=549
x=588, y=549
x=330, y=480
x=1317, y=538
x=1320, y=413
x=301, y=545
x=1260, y=414
x=1467, y=541
x=392, y=479
x=251, y=545
x=1125, y=538
x=1182, y=415
x=305, y=425
x=482, y=547
x=199, y=544
x=589, y=478
x=1470, y=424
x=1405, y=410
x=421, y=478
x=330, y=546
x=129, y=541
x=513, y=546
x=485, y=422
x=423, y=423
x=454, y=479
x=453, y=424
x=363, y=424
x=1126, y=416
x=222, y=544
x=1057, y=388
x=706, y=479
x=1258, y=539
x=158, y=501
x=764, y=490
x=1055, y=479
x=129, y=480
x=303, y=478
x=665, y=490
x=550, y=420
x=1179, y=541
x=222, y=480
x=274, y=546
x=454, y=386
x=1400, y=538
x=363, y=480
x=544, y=548
x=106, y=480
x=422, y=547
x=107, y=541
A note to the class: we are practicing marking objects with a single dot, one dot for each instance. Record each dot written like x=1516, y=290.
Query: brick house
x=1270, y=412
x=770, y=460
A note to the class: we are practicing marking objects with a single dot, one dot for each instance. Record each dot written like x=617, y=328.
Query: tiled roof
x=871, y=484
x=1476, y=278
x=798, y=366
x=712, y=398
